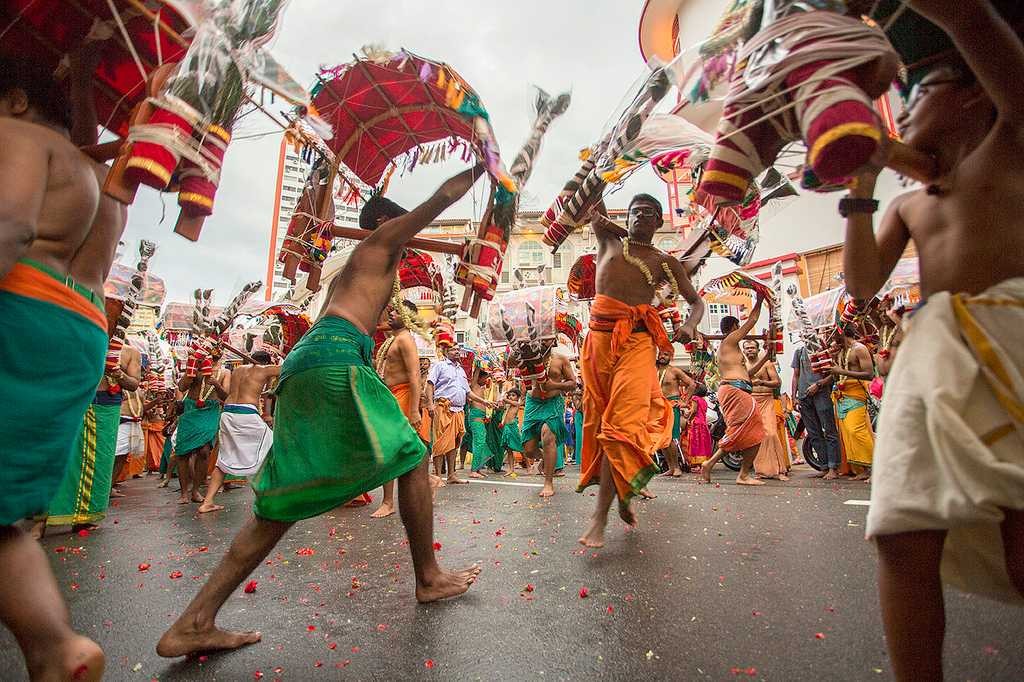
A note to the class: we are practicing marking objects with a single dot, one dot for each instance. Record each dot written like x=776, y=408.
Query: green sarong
x=550, y=411
x=480, y=447
x=511, y=439
x=197, y=426
x=84, y=493
x=677, y=418
x=165, y=456
x=338, y=430
x=51, y=360
x=577, y=421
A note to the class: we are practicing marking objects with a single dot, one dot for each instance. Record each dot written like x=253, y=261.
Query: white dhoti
x=244, y=440
x=950, y=448
x=130, y=440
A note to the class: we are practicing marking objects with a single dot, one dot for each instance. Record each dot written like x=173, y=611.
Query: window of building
x=504, y=277
x=715, y=313
x=460, y=337
x=531, y=254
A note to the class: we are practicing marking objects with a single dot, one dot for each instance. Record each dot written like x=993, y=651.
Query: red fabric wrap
x=153, y=164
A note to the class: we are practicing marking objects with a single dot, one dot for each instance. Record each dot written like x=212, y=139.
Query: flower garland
x=642, y=267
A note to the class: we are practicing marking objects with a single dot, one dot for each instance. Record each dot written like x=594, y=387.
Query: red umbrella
x=385, y=106
x=47, y=30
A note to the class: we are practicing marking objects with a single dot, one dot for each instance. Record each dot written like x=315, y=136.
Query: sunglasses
x=641, y=211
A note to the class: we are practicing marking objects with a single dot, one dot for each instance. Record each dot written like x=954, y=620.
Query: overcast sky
x=502, y=50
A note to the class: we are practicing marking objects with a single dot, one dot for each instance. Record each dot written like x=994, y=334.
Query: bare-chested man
x=625, y=417
x=771, y=460
x=544, y=418
x=743, y=429
x=677, y=387
x=47, y=210
x=398, y=364
x=129, y=429
x=244, y=437
x=853, y=370
x=199, y=423
x=476, y=416
x=948, y=475
x=339, y=432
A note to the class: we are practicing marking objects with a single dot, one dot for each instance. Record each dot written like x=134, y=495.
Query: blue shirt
x=450, y=383
x=802, y=361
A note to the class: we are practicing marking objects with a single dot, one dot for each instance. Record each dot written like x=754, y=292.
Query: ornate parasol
x=137, y=36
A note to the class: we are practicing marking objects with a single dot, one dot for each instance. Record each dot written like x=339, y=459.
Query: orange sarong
x=403, y=394
x=743, y=427
x=154, y=435
x=625, y=416
x=448, y=427
x=771, y=460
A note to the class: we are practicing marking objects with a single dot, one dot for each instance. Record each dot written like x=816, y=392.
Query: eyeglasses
x=919, y=90
x=641, y=211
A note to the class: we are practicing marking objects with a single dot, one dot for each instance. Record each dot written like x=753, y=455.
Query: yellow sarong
x=855, y=432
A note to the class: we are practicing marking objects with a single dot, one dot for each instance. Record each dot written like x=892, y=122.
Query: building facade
x=292, y=174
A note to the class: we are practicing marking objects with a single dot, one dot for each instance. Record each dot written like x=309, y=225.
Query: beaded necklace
x=642, y=266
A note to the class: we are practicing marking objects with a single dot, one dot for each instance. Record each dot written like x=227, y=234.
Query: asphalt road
x=721, y=582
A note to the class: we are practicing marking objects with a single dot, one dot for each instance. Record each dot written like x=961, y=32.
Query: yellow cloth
x=854, y=423
x=950, y=451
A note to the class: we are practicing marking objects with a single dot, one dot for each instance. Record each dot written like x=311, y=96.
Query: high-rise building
x=292, y=174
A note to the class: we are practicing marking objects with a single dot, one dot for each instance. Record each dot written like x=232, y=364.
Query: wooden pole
x=242, y=354
x=431, y=245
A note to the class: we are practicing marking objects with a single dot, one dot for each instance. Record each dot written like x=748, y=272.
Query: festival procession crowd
x=922, y=401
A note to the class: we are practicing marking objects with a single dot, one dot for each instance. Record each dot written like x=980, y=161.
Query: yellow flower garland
x=642, y=267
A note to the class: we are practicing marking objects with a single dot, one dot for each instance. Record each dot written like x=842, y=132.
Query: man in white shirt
x=447, y=389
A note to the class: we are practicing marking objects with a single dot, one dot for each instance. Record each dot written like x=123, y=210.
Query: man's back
x=91, y=263
x=57, y=180
x=248, y=382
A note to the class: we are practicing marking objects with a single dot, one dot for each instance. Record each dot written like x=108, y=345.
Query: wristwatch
x=848, y=205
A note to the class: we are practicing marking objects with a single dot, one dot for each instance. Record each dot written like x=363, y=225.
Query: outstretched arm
x=747, y=326
x=688, y=329
x=989, y=45
x=868, y=260
x=606, y=231
x=394, y=233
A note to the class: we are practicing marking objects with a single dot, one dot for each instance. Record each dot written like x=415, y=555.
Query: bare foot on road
x=184, y=640
x=446, y=584
x=384, y=510
x=594, y=537
x=204, y=508
x=748, y=481
x=548, y=490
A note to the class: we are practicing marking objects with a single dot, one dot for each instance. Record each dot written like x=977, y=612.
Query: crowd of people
x=338, y=418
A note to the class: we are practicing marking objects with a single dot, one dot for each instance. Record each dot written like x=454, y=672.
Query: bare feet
x=384, y=510
x=863, y=476
x=748, y=481
x=455, y=479
x=38, y=531
x=114, y=493
x=182, y=500
x=196, y=497
x=548, y=490
x=446, y=584
x=184, y=639
x=476, y=474
x=164, y=483
x=594, y=537
x=79, y=659
x=204, y=507
x=559, y=473
x=783, y=477
x=647, y=494
x=672, y=473
x=705, y=472
x=628, y=516
x=831, y=475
